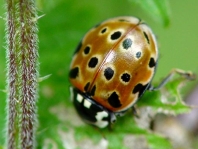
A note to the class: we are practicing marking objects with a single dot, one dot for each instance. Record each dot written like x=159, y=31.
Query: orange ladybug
x=111, y=68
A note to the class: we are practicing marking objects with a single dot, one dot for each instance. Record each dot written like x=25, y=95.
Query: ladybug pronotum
x=111, y=68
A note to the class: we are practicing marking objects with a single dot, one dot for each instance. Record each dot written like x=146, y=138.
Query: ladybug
x=112, y=67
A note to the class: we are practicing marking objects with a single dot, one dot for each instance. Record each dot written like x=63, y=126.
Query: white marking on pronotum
x=79, y=98
x=87, y=104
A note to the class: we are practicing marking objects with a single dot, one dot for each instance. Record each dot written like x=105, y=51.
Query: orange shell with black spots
x=115, y=62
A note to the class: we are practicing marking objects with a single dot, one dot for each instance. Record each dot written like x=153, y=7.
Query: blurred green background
x=64, y=24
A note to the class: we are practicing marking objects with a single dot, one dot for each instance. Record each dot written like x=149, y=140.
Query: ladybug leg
x=135, y=111
x=186, y=74
x=110, y=126
x=112, y=120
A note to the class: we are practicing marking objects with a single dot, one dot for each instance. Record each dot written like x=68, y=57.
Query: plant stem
x=22, y=73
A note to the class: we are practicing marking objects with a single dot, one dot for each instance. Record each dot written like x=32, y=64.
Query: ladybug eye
x=112, y=118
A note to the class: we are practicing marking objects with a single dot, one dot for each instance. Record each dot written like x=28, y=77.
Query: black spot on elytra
x=115, y=35
x=74, y=72
x=152, y=62
x=86, y=50
x=125, y=77
x=104, y=30
x=146, y=36
x=93, y=62
x=86, y=87
x=123, y=20
x=78, y=47
x=108, y=73
x=127, y=43
x=92, y=93
x=139, y=88
x=114, y=100
x=138, y=54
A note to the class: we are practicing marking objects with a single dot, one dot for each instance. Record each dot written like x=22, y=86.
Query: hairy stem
x=22, y=73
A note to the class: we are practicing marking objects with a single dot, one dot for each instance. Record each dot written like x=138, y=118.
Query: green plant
x=22, y=73
x=64, y=23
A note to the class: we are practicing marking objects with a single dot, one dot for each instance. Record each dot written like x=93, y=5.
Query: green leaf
x=157, y=9
x=156, y=141
x=167, y=100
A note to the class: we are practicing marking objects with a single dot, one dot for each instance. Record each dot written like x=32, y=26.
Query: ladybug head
x=90, y=111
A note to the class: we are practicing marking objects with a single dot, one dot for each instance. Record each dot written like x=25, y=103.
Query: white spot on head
x=101, y=124
x=87, y=104
x=79, y=98
x=101, y=115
